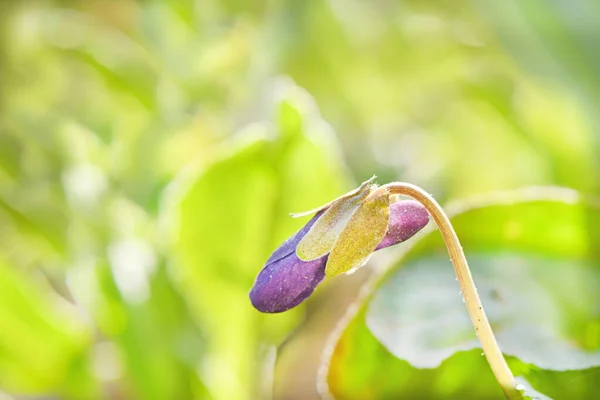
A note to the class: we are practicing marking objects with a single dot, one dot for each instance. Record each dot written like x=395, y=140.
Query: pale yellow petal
x=363, y=232
x=323, y=234
x=366, y=186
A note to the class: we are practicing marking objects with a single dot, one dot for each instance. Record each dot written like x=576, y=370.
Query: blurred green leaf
x=161, y=345
x=553, y=38
x=534, y=259
x=26, y=227
x=529, y=392
x=41, y=337
x=539, y=308
x=233, y=214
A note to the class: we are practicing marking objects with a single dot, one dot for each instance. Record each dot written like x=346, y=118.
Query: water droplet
x=482, y=354
x=464, y=301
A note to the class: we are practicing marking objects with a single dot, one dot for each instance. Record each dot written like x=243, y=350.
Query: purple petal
x=287, y=281
x=407, y=217
x=289, y=246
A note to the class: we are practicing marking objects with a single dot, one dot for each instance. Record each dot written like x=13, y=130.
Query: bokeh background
x=150, y=152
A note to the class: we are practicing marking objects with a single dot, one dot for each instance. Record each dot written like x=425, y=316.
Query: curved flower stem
x=482, y=326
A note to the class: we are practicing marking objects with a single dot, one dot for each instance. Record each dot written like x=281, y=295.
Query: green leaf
x=528, y=391
x=41, y=340
x=551, y=39
x=540, y=309
x=534, y=260
x=162, y=345
x=232, y=215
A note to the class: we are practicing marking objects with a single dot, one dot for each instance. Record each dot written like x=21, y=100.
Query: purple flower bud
x=407, y=217
x=286, y=281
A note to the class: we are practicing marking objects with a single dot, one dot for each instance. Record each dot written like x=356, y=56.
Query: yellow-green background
x=150, y=152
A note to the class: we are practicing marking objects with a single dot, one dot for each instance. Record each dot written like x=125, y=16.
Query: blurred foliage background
x=150, y=152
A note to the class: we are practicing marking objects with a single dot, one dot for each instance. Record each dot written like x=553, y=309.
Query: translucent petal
x=366, y=186
x=365, y=230
x=323, y=234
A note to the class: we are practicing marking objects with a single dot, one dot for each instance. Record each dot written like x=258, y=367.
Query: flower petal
x=407, y=217
x=286, y=281
x=364, y=231
x=289, y=246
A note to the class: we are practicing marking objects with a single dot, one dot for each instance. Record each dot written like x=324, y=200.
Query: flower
x=349, y=228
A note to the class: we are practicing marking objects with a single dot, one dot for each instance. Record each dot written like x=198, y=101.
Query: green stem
x=480, y=321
